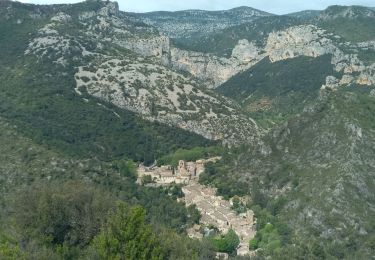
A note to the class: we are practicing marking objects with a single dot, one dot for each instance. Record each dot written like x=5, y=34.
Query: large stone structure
x=165, y=175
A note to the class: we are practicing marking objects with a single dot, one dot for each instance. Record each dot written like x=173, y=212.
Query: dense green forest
x=54, y=206
x=283, y=231
x=267, y=89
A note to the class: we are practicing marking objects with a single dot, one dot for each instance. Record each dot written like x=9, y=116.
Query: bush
x=126, y=236
x=9, y=251
x=128, y=169
x=228, y=243
x=254, y=244
x=147, y=179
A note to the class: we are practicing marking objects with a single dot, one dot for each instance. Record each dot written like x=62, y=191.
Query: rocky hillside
x=195, y=23
x=351, y=12
x=316, y=173
x=280, y=66
x=42, y=50
x=126, y=63
x=353, y=23
x=266, y=89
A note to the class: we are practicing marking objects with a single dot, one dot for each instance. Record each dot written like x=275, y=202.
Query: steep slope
x=106, y=57
x=194, y=23
x=316, y=174
x=267, y=89
x=353, y=23
x=38, y=95
x=287, y=76
x=78, y=190
x=326, y=153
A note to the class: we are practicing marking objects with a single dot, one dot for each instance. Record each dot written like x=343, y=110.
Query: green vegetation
x=289, y=183
x=355, y=30
x=272, y=235
x=55, y=204
x=10, y=250
x=71, y=220
x=217, y=173
x=190, y=155
x=39, y=98
x=267, y=90
x=227, y=243
x=238, y=206
x=353, y=23
x=222, y=43
x=126, y=236
x=368, y=57
x=147, y=179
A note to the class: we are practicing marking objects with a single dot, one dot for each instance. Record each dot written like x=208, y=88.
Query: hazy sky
x=273, y=6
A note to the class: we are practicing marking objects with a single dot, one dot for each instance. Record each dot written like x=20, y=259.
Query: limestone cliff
x=216, y=70
x=309, y=40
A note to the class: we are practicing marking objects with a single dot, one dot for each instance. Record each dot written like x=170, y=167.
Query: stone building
x=165, y=175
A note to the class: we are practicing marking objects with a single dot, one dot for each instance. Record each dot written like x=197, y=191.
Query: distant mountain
x=353, y=23
x=352, y=12
x=195, y=23
x=222, y=42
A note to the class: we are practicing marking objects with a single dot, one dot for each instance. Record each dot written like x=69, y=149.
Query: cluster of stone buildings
x=165, y=175
x=214, y=209
x=218, y=212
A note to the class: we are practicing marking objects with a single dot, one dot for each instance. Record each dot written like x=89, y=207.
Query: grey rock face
x=309, y=40
x=245, y=51
x=306, y=40
x=110, y=9
x=214, y=70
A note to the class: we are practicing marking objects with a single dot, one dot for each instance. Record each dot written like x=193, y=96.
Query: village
x=215, y=211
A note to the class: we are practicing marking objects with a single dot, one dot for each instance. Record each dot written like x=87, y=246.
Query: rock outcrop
x=309, y=40
x=161, y=94
x=215, y=70
x=306, y=40
x=245, y=51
